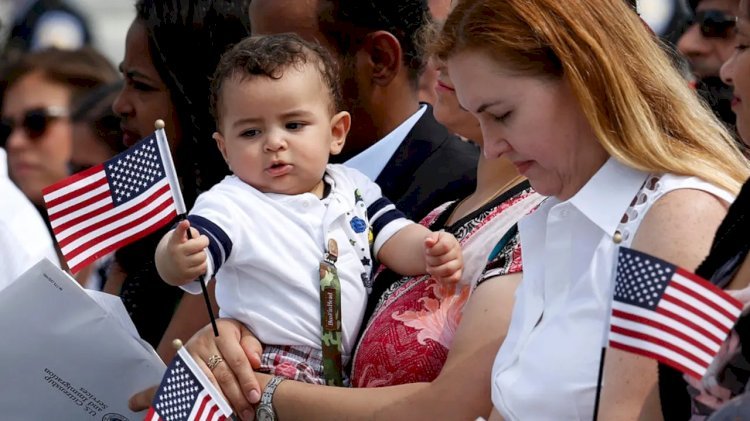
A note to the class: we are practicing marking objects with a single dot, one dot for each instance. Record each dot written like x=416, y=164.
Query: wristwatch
x=265, y=410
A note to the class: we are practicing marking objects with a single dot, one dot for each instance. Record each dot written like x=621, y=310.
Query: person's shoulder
x=463, y=146
x=458, y=155
x=227, y=184
x=22, y=221
x=686, y=194
x=680, y=225
x=229, y=190
x=340, y=172
x=688, y=204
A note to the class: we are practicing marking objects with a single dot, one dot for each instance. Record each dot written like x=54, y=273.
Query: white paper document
x=67, y=353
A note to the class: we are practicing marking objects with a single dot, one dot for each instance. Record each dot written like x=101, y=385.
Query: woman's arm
x=461, y=391
x=678, y=228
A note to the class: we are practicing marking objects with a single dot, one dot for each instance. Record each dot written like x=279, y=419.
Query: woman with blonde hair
x=579, y=95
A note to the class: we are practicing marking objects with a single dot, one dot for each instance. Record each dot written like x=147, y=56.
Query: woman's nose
x=121, y=106
x=494, y=147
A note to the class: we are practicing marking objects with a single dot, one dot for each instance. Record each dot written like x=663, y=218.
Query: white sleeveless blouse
x=547, y=366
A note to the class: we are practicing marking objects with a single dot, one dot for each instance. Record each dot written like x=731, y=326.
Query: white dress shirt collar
x=599, y=202
x=372, y=160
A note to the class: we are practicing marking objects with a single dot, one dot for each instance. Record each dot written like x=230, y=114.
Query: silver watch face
x=265, y=413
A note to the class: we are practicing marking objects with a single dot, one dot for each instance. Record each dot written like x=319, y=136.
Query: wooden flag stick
x=598, y=383
x=159, y=125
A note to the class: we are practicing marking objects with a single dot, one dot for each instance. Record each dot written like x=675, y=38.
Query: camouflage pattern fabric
x=330, y=316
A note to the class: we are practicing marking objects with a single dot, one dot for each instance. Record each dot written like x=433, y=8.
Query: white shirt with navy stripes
x=265, y=250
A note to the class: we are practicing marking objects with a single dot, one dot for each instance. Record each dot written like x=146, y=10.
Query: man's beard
x=719, y=96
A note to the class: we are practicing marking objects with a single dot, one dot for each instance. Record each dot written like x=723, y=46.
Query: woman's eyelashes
x=500, y=118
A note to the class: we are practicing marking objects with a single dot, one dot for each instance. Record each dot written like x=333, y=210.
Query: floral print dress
x=411, y=330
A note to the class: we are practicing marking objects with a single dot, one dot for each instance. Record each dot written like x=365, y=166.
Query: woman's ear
x=217, y=136
x=340, y=124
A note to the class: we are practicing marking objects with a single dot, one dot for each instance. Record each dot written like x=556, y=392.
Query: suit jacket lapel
x=424, y=138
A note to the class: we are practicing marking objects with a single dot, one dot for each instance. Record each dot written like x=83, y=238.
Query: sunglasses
x=34, y=123
x=713, y=23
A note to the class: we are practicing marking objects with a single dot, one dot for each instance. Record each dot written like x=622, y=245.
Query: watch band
x=265, y=409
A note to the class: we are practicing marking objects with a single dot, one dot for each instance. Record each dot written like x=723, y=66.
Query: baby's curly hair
x=270, y=56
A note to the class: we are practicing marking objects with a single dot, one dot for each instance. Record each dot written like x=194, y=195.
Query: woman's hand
x=234, y=376
x=240, y=352
x=142, y=400
x=709, y=390
x=743, y=295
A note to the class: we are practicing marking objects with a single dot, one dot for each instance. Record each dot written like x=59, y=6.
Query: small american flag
x=186, y=394
x=663, y=312
x=115, y=203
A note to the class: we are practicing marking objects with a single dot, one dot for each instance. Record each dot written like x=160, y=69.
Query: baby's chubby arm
x=415, y=250
x=180, y=260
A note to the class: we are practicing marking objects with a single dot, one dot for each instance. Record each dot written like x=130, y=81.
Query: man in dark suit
x=394, y=139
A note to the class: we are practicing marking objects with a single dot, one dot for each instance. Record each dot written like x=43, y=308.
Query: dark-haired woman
x=171, y=50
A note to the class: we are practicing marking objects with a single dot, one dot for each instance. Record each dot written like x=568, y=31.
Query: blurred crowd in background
x=104, y=23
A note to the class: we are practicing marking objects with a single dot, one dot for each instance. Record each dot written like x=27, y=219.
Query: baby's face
x=277, y=134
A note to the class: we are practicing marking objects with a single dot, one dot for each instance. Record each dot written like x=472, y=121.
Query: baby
x=291, y=239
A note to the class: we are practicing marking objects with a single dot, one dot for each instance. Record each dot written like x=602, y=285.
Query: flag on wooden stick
x=186, y=394
x=667, y=313
x=113, y=204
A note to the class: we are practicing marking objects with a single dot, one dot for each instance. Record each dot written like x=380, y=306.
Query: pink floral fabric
x=411, y=330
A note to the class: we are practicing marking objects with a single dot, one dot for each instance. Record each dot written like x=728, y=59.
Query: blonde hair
x=641, y=110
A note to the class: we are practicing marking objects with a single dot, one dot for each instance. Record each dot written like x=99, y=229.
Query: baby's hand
x=443, y=258
x=185, y=257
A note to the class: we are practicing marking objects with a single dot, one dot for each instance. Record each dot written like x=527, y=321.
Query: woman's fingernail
x=254, y=396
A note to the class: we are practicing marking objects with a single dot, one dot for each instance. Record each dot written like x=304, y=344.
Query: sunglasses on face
x=714, y=23
x=34, y=123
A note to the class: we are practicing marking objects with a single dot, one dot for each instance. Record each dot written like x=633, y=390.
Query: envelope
x=68, y=355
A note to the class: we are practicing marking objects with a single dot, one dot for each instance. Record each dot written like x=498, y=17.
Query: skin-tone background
x=37, y=163
x=706, y=55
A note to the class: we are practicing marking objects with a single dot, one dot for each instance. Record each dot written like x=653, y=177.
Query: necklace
x=505, y=187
